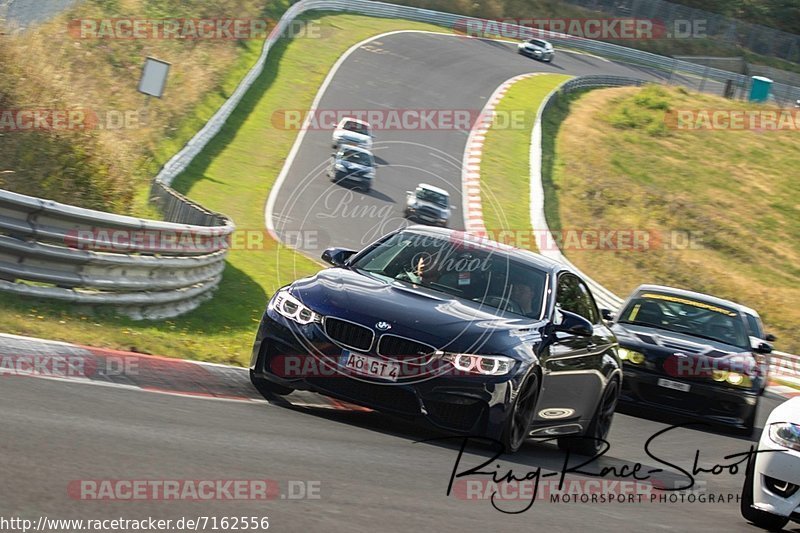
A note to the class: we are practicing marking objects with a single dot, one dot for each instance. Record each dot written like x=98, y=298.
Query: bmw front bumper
x=712, y=403
x=461, y=404
x=361, y=179
x=776, y=479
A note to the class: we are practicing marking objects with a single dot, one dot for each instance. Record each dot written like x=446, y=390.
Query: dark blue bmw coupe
x=477, y=337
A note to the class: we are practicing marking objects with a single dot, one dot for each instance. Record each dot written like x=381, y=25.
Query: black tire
x=757, y=517
x=267, y=388
x=519, y=420
x=749, y=425
x=598, y=428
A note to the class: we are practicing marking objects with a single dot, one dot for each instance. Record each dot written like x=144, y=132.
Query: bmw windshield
x=685, y=315
x=458, y=269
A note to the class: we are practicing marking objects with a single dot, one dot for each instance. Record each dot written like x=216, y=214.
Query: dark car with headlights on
x=353, y=164
x=690, y=354
x=473, y=336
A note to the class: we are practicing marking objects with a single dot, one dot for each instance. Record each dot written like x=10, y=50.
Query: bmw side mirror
x=769, y=337
x=607, y=314
x=763, y=347
x=572, y=323
x=337, y=256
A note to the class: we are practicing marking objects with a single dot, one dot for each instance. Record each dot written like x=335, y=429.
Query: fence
x=760, y=39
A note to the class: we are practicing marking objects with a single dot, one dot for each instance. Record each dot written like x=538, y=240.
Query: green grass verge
x=505, y=165
x=233, y=176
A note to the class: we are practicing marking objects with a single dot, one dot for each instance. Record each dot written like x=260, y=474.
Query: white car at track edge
x=771, y=493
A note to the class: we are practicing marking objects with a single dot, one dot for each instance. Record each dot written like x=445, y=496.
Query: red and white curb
x=27, y=357
x=783, y=390
x=471, y=166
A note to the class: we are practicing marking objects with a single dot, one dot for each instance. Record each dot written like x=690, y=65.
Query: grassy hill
x=621, y=164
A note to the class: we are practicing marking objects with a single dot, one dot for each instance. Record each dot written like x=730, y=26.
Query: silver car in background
x=428, y=204
x=352, y=131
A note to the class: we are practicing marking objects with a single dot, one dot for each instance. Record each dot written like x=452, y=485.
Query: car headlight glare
x=731, y=378
x=637, y=358
x=290, y=307
x=487, y=365
x=734, y=378
x=785, y=434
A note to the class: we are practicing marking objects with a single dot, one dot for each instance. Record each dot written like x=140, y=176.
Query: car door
x=572, y=378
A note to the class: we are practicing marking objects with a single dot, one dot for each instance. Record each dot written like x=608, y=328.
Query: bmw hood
x=683, y=355
x=411, y=311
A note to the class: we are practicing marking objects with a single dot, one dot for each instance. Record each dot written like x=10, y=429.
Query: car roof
x=351, y=119
x=697, y=296
x=484, y=243
x=432, y=189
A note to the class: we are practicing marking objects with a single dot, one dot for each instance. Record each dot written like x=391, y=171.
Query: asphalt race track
x=371, y=473
x=368, y=468
x=403, y=71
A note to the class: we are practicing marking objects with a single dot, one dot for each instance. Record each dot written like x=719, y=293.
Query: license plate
x=367, y=365
x=674, y=385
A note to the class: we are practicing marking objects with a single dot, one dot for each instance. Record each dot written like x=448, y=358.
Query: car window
x=357, y=157
x=484, y=276
x=427, y=195
x=356, y=127
x=573, y=295
x=754, y=326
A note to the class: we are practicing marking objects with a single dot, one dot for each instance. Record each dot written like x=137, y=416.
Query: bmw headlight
x=632, y=356
x=786, y=434
x=486, y=365
x=290, y=307
x=736, y=379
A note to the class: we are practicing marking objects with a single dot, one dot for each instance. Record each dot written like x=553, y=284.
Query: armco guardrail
x=144, y=268
x=784, y=366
